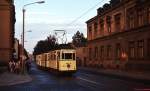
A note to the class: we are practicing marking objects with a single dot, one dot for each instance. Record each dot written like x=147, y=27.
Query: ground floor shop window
x=102, y=52
x=96, y=52
x=109, y=50
x=90, y=53
x=148, y=48
x=131, y=50
x=149, y=14
x=140, y=49
x=118, y=51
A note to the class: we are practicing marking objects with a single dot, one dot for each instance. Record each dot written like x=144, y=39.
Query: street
x=80, y=81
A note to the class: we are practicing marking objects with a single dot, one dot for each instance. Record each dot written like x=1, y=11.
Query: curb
x=119, y=76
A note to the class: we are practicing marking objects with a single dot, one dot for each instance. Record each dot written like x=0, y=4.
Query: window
x=131, y=50
x=90, y=52
x=58, y=55
x=102, y=26
x=95, y=28
x=140, y=17
x=63, y=56
x=45, y=57
x=84, y=50
x=90, y=29
x=49, y=56
x=96, y=52
x=148, y=48
x=130, y=18
x=149, y=14
x=118, y=22
x=90, y=32
x=140, y=49
x=108, y=19
x=118, y=51
x=68, y=55
x=109, y=49
x=54, y=57
x=102, y=52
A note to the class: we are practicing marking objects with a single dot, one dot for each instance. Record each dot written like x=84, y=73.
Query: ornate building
x=119, y=35
x=7, y=22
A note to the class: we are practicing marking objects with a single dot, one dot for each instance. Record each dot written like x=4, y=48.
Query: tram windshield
x=68, y=56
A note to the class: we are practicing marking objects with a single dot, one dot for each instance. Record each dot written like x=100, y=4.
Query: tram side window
x=54, y=57
x=58, y=55
x=63, y=56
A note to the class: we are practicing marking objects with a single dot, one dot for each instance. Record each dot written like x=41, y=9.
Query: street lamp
x=23, y=30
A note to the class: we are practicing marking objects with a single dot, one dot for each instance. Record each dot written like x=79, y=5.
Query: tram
x=60, y=60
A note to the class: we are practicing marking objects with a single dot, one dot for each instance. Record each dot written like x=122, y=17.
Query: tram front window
x=68, y=56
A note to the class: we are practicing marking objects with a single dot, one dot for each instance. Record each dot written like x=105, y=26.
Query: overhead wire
x=85, y=12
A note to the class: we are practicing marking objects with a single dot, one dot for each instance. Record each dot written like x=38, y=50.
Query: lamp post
x=23, y=32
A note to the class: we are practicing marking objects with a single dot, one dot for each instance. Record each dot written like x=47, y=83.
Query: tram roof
x=63, y=46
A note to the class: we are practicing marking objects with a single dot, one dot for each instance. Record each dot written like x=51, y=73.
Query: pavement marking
x=86, y=74
x=89, y=81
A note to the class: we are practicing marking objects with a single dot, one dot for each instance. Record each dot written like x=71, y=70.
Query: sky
x=43, y=19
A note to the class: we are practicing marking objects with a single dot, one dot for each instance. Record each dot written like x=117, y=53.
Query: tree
x=45, y=45
x=79, y=40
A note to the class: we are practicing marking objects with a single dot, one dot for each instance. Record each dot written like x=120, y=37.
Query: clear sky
x=42, y=19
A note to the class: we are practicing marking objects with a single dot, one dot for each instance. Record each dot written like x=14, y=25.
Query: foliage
x=79, y=40
x=26, y=54
x=45, y=45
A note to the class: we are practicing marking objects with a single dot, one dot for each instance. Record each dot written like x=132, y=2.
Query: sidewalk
x=143, y=77
x=7, y=79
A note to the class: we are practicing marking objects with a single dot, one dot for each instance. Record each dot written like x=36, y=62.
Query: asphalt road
x=80, y=81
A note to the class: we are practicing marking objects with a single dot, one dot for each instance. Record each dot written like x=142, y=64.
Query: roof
x=92, y=19
x=63, y=46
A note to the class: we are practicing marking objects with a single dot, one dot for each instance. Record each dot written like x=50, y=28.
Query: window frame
x=148, y=48
x=132, y=48
x=149, y=14
x=102, y=52
x=90, y=51
x=108, y=19
x=140, y=49
x=117, y=18
x=140, y=15
x=109, y=51
x=118, y=51
x=96, y=52
x=101, y=26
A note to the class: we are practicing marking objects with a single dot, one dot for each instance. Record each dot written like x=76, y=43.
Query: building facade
x=7, y=21
x=81, y=55
x=118, y=36
x=16, y=52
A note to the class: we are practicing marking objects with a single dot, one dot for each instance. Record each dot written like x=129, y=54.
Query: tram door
x=45, y=58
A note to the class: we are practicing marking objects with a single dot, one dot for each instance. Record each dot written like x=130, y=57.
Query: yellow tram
x=60, y=60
